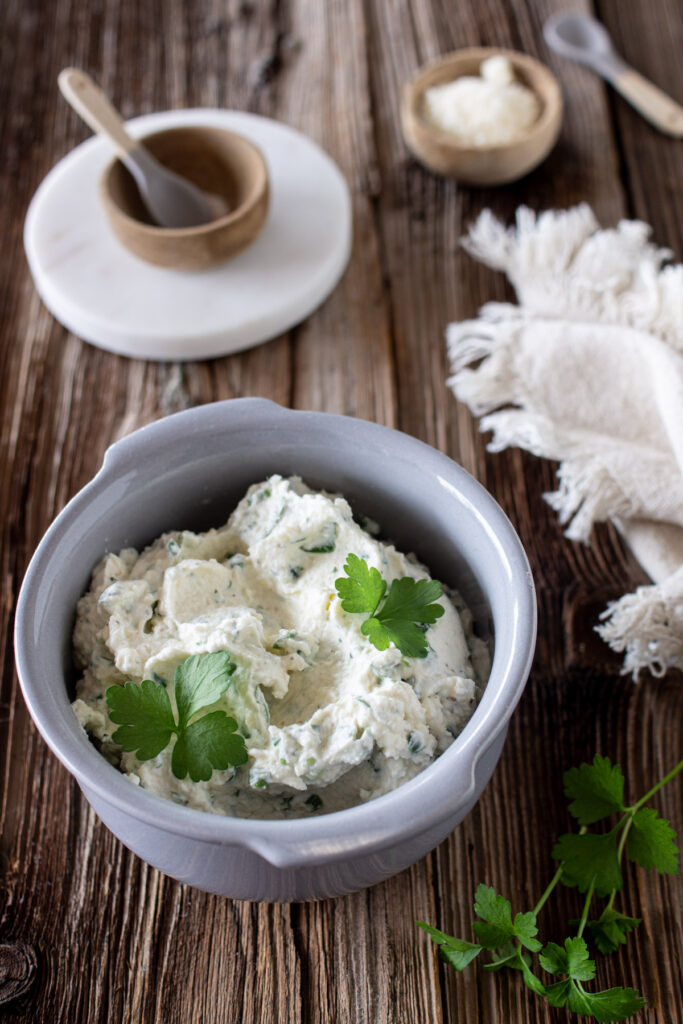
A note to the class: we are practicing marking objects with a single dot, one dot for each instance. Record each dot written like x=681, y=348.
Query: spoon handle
x=658, y=108
x=88, y=100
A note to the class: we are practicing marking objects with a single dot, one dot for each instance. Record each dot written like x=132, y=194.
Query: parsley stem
x=553, y=881
x=655, y=788
x=551, y=885
x=586, y=908
x=620, y=854
x=624, y=837
x=627, y=820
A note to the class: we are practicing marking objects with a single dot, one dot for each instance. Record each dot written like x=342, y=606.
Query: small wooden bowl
x=220, y=162
x=481, y=165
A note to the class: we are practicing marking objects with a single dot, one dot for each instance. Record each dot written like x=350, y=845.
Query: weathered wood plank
x=651, y=162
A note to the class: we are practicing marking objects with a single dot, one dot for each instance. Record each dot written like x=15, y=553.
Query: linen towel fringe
x=571, y=275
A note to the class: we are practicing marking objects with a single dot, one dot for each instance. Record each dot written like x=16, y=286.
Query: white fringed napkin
x=588, y=370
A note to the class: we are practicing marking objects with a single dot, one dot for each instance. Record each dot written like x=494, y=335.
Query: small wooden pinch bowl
x=481, y=165
x=220, y=162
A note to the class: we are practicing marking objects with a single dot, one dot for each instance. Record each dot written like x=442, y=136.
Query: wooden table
x=114, y=940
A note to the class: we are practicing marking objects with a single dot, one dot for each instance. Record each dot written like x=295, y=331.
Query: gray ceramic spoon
x=587, y=41
x=172, y=201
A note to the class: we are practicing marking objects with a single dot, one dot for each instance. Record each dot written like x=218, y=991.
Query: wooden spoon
x=172, y=201
x=585, y=40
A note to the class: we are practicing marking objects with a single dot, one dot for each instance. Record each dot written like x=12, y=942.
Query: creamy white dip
x=329, y=721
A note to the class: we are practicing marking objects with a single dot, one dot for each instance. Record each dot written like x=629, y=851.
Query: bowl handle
x=208, y=418
x=118, y=452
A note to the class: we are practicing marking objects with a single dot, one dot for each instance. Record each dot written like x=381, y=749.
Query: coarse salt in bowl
x=485, y=160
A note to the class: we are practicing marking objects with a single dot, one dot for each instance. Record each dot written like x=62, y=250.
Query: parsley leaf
x=558, y=993
x=589, y=859
x=412, y=599
x=145, y=716
x=210, y=742
x=612, y=1004
x=407, y=636
x=525, y=930
x=200, y=681
x=651, y=842
x=401, y=617
x=572, y=959
x=456, y=952
x=596, y=790
x=363, y=588
x=497, y=926
x=147, y=722
x=610, y=929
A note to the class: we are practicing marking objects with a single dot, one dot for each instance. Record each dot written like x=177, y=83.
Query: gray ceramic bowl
x=189, y=470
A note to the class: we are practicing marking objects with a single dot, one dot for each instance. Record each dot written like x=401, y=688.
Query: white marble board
x=102, y=293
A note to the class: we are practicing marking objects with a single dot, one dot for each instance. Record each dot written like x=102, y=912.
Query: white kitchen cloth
x=588, y=370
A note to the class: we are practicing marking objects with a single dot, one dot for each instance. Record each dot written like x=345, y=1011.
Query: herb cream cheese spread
x=328, y=720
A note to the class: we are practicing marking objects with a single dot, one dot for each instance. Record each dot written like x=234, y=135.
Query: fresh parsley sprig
x=400, y=616
x=147, y=722
x=591, y=862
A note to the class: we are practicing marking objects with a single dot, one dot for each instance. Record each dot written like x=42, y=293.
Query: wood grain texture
x=113, y=939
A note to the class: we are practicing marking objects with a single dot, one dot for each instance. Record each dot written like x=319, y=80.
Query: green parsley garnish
x=147, y=722
x=590, y=862
x=400, y=616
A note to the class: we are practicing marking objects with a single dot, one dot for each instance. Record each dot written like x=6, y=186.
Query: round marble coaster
x=105, y=295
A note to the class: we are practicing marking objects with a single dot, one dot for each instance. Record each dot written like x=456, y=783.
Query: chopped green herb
x=415, y=743
x=277, y=520
x=314, y=802
x=295, y=571
x=326, y=543
x=258, y=497
x=369, y=525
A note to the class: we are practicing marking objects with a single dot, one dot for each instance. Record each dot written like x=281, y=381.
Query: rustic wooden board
x=113, y=939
